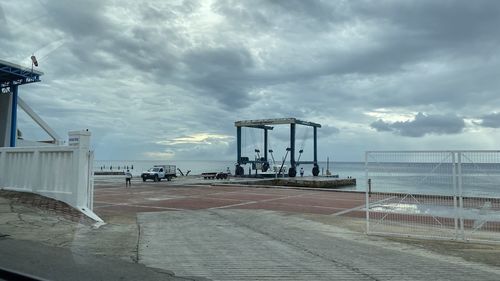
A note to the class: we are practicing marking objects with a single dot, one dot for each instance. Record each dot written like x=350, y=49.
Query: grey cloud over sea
x=422, y=125
x=142, y=75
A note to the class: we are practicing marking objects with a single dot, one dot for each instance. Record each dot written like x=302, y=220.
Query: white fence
x=434, y=194
x=60, y=172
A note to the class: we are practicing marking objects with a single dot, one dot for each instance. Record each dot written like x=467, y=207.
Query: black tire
x=265, y=167
x=239, y=171
x=315, y=170
x=143, y=178
x=292, y=172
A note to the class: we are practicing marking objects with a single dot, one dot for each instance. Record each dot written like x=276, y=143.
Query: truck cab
x=155, y=174
x=159, y=172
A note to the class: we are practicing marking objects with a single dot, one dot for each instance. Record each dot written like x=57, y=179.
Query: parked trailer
x=211, y=176
x=159, y=172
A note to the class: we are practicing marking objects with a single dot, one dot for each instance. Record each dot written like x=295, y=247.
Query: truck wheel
x=265, y=167
x=315, y=170
x=239, y=171
x=143, y=178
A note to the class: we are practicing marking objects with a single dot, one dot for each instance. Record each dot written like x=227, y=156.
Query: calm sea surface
x=201, y=166
x=417, y=178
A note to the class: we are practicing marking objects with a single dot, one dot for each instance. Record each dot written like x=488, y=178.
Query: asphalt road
x=55, y=263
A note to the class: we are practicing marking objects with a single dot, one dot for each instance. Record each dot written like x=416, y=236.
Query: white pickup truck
x=159, y=172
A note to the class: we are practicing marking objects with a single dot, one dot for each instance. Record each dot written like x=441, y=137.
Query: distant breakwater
x=297, y=182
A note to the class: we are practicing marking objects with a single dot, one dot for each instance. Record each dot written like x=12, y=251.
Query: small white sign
x=74, y=141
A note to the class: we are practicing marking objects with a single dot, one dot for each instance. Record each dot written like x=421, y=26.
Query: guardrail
x=60, y=172
x=434, y=194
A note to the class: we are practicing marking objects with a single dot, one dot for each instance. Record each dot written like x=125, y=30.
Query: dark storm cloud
x=77, y=18
x=4, y=30
x=99, y=43
x=422, y=125
x=381, y=126
x=408, y=30
x=490, y=120
x=3, y=20
x=402, y=36
x=227, y=73
x=292, y=15
x=178, y=68
x=327, y=131
x=442, y=22
x=223, y=73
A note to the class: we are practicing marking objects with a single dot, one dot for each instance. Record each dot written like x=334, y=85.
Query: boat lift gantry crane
x=266, y=125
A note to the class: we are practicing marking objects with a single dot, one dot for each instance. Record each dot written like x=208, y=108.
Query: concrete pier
x=313, y=182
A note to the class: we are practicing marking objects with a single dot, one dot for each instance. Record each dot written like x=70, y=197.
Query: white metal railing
x=60, y=172
x=434, y=194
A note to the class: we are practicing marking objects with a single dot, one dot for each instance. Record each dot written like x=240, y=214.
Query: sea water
x=355, y=170
x=414, y=178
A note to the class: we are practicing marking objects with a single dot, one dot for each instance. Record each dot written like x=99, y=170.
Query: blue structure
x=266, y=125
x=11, y=77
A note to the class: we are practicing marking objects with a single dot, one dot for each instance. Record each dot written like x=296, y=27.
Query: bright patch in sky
x=200, y=138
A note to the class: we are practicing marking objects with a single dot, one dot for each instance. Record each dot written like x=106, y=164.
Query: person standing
x=128, y=178
x=301, y=172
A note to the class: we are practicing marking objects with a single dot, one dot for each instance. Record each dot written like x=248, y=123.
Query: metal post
x=369, y=187
x=367, y=198
x=315, y=133
x=13, y=120
x=455, y=193
x=292, y=145
x=283, y=163
x=460, y=196
x=265, y=145
x=238, y=144
x=90, y=179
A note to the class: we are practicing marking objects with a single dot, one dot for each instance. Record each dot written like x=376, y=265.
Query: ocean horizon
x=413, y=178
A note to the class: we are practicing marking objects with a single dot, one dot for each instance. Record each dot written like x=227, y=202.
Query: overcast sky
x=167, y=79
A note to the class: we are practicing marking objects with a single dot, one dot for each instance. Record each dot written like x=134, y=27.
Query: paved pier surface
x=255, y=233
x=267, y=245
x=311, y=182
x=112, y=198
x=230, y=233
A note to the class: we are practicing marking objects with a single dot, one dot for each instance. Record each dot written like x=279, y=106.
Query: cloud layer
x=490, y=120
x=148, y=78
x=422, y=125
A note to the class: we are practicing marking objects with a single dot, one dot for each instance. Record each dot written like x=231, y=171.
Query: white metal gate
x=64, y=173
x=434, y=194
